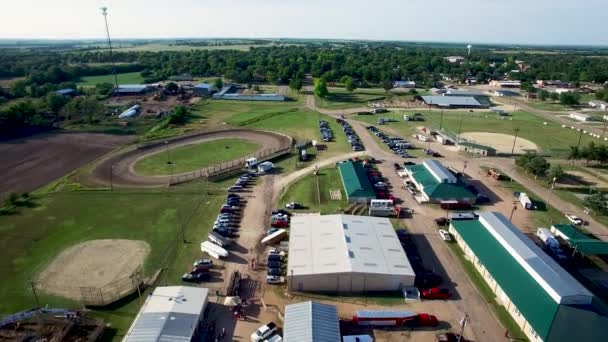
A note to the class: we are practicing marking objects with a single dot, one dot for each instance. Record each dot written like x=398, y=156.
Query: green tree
x=387, y=85
x=218, y=83
x=321, y=88
x=350, y=85
x=534, y=164
x=596, y=202
x=104, y=88
x=295, y=84
x=543, y=95
x=556, y=173
x=55, y=102
x=569, y=99
x=554, y=96
x=19, y=89
x=574, y=154
x=179, y=116
x=172, y=87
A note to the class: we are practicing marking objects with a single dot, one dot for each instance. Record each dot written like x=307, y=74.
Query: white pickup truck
x=264, y=332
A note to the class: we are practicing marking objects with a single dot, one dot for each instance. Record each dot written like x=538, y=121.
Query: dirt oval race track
x=118, y=170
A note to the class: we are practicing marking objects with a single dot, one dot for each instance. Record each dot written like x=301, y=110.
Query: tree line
x=366, y=65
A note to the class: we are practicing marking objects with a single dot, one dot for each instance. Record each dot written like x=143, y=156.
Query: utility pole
x=513, y=210
x=514, y=140
x=463, y=323
x=104, y=12
x=441, y=121
x=35, y=294
x=459, y=129
x=580, y=137
x=605, y=125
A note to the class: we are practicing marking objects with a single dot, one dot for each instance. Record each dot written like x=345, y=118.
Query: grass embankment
x=552, y=139
x=33, y=237
x=125, y=78
x=313, y=191
x=340, y=98
x=193, y=157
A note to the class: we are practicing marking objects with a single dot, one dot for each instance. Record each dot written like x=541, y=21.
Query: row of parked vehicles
x=242, y=183
x=351, y=135
x=398, y=145
x=326, y=131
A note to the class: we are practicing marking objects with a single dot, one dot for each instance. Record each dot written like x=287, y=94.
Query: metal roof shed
x=452, y=101
x=356, y=184
x=170, y=313
x=311, y=322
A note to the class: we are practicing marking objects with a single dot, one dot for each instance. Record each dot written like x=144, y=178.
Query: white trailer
x=382, y=207
x=213, y=250
x=218, y=239
x=275, y=237
x=265, y=167
x=421, y=137
x=547, y=237
x=525, y=201
x=251, y=162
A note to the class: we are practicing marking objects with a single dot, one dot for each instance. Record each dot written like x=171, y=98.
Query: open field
x=33, y=238
x=305, y=192
x=215, y=113
x=126, y=78
x=503, y=143
x=552, y=139
x=340, y=98
x=193, y=157
x=29, y=163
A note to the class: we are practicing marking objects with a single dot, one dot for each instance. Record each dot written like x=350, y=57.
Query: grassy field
x=339, y=98
x=126, y=78
x=313, y=192
x=193, y=157
x=552, y=139
x=33, y=237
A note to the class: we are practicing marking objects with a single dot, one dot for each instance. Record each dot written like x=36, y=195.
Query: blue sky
x=579, y=22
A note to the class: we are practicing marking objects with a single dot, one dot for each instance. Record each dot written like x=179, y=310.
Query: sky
x=581, y=22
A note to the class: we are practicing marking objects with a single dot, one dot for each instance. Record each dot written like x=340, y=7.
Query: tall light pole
x=580, y=137
x=104, y=12
x=514, y=140
x=441, y=121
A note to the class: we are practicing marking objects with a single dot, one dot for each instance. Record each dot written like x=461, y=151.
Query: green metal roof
x=436, y=190
x=447, y=191
x=531, y=299
x=356, y=183
x=478, y=146
x=589, y=246
x=571, y=231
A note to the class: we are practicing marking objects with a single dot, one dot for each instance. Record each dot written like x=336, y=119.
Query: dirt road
x=29, y=163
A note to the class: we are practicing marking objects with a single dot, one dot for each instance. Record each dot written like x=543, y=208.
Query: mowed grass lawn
x=193, y=157
x=216, y=113
x=552, y=139
x=340, y=98
x=317, y=199
x=125, y=78
x=32, y=238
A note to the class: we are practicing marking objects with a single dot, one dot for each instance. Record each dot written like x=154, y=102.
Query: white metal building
x=170, y=313
x=581, y=116
x=346, y=253
x=311, y=322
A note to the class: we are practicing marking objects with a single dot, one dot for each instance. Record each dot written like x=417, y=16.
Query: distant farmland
x=126, y=78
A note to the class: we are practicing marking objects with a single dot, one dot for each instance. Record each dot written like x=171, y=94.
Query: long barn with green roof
x=357, y=186
x=437, y=184
x=545, y=301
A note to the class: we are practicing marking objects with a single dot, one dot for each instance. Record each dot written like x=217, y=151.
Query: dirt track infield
x=119, y=168
x=29, y=163
x=94, y=264
x=503, y=143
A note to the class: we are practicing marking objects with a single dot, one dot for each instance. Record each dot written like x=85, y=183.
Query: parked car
x=575, y=219
x=275, y=264
x=482, y=199
x=195, y=277
x=293, y=205
x=275, y=257
x=203, y=262
x=281, y=211
x=280, y=224
x=235, y=188
x=271, y=230
x=436, y=293
x=427, y=279
x=264, y=332
x=451, y=337
x=276, y=251
x=445, y=236
x=442, y=221
x=275, y=279
x=201, y=269
x=275, y=271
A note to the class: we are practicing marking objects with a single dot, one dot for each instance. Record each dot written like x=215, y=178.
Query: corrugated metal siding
x=311, y=322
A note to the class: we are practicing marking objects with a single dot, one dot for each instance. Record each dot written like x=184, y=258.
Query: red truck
x=436, y=293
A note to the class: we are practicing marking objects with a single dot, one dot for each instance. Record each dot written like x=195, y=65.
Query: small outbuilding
x=170, y=313
x=581, y=117
x=357, y=186
x=131, y=89
x=437, y=184
x=311, y=322
x=67, y=92
x=404, y=84
x=204, y=89
x=474, y=148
